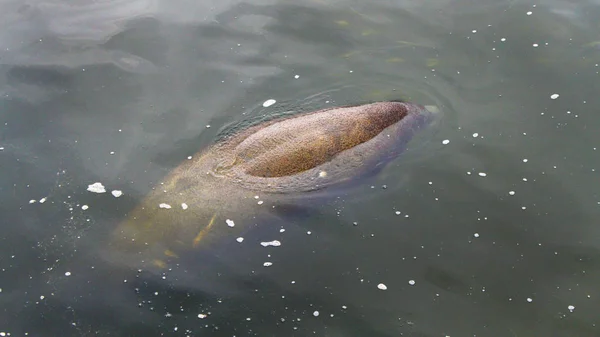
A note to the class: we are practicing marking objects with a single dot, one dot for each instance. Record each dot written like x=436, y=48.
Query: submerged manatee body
x=250, y=173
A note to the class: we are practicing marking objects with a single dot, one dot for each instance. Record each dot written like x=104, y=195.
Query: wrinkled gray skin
x=281, y=161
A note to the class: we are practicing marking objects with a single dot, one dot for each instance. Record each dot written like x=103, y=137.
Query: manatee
x=229, y=187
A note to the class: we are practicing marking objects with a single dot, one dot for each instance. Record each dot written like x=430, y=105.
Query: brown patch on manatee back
x=303, y=142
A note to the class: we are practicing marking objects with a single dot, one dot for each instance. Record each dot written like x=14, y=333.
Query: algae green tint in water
x=254, y=172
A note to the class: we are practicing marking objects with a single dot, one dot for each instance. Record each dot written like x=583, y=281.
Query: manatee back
x=311, y=151
x=304, y=142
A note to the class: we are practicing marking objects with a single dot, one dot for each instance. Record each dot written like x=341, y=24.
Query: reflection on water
x=487, y=225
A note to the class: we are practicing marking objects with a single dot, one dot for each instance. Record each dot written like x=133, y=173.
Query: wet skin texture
x=283, y=161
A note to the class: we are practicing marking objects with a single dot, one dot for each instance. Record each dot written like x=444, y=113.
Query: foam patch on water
x=96, y=188
x=274, y=243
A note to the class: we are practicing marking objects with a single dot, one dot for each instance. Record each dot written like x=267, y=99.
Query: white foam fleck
x=476, y=235
x=529, y=299
x=475, y=135
x=184, y=206
x=316, y=313
x=96, y=188
x=411, y=282
x=554, y=96
x=32, y=201
x=116, y=193
x=529, y=13
x=230, y=223
x=240, y=239
x=269, y=102
x=201, y=316
x=84, y=207
x=42, y=200
x=165, y=206
x=381, y=286
x=260, y=202
x=274, y=243
x=268, y=264
x=68, y=273
x=296, y=76
x=511, y=192
x=571, y=308
x=446, y=141
x=482, y=174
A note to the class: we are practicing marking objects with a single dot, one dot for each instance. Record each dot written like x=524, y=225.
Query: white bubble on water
x=164, y=206
x=446, y=141
x=554, y=96
x=117, y=193
x=269, y=102
x=230, y=223
x=381, y=286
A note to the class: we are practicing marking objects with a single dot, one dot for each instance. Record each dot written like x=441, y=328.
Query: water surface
x=486, y=226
